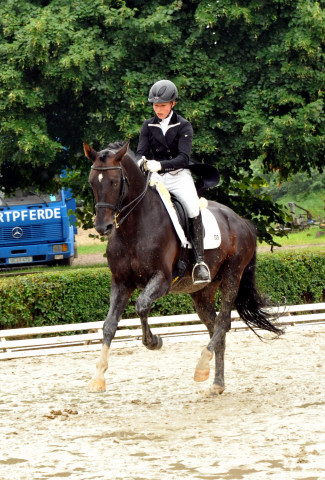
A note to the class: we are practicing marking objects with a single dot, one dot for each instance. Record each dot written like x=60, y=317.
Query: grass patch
x=92, y=248
x=300, y=238
x=312, y=201
x=312, y=249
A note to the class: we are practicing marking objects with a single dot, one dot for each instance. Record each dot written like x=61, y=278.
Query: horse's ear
x=122, y=152
x=89, y=152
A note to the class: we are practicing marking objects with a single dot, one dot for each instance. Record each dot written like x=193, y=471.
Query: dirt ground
x=83, y=238
x=155, y=423
x=91, y=259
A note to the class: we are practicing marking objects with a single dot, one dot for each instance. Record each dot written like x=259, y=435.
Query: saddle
x=178, y=215
x=181, y=214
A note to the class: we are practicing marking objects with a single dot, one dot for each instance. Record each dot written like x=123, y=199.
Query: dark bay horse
x=143, y=249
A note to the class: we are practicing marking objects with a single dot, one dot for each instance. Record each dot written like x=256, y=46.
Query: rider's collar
x=165, y=121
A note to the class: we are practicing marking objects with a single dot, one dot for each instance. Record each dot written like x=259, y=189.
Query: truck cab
x=36, y=229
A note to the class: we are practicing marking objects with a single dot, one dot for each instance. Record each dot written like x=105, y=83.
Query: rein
x=119, y=208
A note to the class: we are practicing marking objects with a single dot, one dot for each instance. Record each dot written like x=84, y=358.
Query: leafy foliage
x=250, y=77
x=80, y=295
x=292, y=278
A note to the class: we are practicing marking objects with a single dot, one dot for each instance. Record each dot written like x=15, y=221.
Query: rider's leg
x=200, y=273
x=181, y=184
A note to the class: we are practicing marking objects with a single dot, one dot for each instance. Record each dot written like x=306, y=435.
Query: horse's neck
x=136, y=180
x=140, y=194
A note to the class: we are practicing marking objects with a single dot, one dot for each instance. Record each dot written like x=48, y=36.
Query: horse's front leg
x=118, y=299
x=155, y=288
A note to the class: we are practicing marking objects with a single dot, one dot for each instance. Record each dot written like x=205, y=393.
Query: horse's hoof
x=159, y=342
x=202, y=370
x=201, y=374
x=216, y=390
x=97, y=386
x=156, y=344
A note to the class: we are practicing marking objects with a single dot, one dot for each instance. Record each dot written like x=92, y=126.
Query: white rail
x=36, y=341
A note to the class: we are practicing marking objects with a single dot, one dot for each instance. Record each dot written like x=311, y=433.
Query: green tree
x=250, y=76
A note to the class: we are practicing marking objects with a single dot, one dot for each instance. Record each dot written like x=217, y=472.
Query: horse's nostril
x=104, y=229
x=109, y=229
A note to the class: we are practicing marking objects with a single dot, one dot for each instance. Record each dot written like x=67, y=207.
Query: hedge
x=81, y=295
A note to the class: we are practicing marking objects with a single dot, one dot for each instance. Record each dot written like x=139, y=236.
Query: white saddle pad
x=212, y=237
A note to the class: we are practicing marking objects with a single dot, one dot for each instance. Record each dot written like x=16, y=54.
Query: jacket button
x=157, y=149
x=170, y=158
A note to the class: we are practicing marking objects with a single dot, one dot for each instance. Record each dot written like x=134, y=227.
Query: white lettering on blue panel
x=48, y=213
x=32, y=215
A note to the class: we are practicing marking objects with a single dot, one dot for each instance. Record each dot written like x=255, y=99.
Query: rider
x=167, y=137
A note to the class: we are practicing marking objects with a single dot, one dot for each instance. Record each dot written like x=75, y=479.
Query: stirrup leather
x=199, y=264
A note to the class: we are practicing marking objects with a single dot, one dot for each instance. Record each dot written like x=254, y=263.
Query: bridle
x=119, y=208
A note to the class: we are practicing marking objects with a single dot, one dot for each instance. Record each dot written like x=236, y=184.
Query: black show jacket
x=173, y=149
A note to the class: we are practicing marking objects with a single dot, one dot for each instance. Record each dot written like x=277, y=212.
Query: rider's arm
x=182, y=158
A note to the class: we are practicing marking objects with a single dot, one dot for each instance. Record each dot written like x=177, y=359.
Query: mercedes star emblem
x=17, y=232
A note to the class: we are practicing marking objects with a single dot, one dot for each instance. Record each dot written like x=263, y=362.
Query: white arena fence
x=81, y=337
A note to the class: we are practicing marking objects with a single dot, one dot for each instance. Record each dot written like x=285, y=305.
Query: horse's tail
x=252, y=308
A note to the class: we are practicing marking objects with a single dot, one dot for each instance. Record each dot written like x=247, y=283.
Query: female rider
x=167, y=137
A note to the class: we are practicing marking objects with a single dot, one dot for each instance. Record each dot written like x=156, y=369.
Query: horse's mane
x=115, y=146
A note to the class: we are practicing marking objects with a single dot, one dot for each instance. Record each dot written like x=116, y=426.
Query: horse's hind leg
x=229, y=288
x=205, y=307
x=218, y=326
x=156, y=288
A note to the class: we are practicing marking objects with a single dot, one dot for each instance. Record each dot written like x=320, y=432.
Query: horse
x=143, y=250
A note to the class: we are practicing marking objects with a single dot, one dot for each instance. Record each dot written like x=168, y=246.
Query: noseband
x=118, y=208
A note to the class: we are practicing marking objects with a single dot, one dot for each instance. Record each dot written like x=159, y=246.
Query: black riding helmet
x=163, y=91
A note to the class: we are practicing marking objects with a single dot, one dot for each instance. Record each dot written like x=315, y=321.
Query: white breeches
x=181, y=184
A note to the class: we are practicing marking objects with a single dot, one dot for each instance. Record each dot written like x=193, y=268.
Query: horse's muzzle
x=104, y=229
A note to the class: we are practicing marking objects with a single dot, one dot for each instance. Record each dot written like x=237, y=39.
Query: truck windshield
x=29, y=198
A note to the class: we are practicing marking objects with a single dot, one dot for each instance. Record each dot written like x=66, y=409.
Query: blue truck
x=37, y=229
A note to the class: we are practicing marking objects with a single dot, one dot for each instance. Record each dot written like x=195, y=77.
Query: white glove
x=152, y=165
x=141, y=161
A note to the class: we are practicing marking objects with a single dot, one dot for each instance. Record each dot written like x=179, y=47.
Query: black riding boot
x=200, y=272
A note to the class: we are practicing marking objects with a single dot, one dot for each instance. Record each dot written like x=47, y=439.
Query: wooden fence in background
x=81, y=337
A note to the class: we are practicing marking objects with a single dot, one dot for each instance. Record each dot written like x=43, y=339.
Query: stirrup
x=200, y=264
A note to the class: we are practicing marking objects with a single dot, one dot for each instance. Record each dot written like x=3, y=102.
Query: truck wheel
x=67, y=262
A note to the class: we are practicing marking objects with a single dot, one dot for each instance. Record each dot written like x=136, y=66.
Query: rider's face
x=162, y=110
